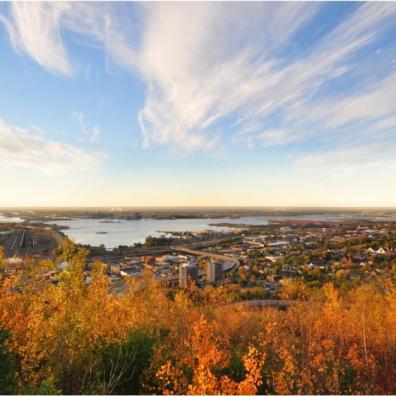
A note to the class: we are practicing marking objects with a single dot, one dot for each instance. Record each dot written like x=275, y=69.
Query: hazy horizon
x=278, y=208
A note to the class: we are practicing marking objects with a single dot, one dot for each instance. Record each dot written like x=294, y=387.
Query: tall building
x=188, y=274
x=215, y=271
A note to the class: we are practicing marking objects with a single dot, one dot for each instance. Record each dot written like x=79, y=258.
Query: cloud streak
x=28, y=148
x=36, y=31
x=200, y=83
x=94, y=135
x=199, y=74
x=365, y=155
x=218, y=73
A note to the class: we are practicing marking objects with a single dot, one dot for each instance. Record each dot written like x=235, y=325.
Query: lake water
x=128, y=232
x=5, y=219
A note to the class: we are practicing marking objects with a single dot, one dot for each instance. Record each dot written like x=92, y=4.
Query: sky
x=198, y=104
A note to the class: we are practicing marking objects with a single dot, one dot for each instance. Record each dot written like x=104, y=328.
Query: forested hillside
x=76, y=338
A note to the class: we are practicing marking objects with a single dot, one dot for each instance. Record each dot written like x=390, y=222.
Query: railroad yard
x=32, y=241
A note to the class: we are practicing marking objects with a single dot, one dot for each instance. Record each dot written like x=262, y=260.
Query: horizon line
x=194, y=207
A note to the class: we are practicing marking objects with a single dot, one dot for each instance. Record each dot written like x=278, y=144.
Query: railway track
x=29, y=241
x=22, y=242
x=14, y=242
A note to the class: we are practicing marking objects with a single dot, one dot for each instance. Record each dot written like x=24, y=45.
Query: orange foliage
x=329, y=343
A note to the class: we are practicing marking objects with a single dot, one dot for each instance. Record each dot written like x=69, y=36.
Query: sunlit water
x=5, y=219
x=128, y=232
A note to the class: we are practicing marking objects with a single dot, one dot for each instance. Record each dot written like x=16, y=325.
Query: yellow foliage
x=329, y=343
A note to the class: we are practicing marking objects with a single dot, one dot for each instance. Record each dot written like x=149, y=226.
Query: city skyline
x=243, y=104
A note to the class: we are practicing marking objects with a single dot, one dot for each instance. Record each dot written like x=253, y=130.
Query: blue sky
x=195, y=104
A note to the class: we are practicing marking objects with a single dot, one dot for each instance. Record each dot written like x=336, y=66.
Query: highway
x=231, y=263
x=157, y=250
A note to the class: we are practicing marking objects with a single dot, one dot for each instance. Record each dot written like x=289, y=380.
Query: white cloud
x=220, y=69
x=386, y=122
x=365, y=172
x=277, y=137
x=202, y=69
x=30, y=149
x=94, y=135
x=34, y=28
x=188, y=63
x=374, y=102
x=374, y=159
x=196, y=77
x=80, y=117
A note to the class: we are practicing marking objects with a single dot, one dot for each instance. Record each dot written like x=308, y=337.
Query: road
x=230, y=263
x=157, y=250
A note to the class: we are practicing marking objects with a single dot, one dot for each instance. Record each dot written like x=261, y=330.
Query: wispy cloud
x=28, y=148
x=215, y=70
x=294, y=89
x=204, y=72
x=365, y=155
x=36, y=31
x=94, y=134
x=35, y=28
x=199, y=82
x=81, y=120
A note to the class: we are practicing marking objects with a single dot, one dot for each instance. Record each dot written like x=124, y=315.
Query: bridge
x=231, y=262
x=157, y=250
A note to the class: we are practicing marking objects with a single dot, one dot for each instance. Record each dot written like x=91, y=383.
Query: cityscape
x=256, y=258
x=197, y=198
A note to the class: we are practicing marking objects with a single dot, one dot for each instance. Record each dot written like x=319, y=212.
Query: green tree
x=46, y=387
x=117, y=368
x=7, y=365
